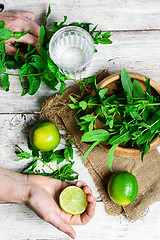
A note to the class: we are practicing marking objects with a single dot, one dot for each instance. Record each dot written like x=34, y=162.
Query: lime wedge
x=73, y=200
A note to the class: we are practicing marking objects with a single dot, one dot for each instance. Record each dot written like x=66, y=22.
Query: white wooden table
x=135, y=30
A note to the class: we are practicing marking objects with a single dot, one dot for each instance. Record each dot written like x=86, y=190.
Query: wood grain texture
x=133, y=48
x=20, y=223
x=137, y=51
x=110, y=15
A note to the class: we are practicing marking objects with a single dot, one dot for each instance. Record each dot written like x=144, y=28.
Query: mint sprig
x=62, y=157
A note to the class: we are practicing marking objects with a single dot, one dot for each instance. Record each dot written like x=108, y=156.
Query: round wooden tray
x=109, y=82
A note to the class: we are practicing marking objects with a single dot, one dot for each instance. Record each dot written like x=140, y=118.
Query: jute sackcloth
x=55, y=109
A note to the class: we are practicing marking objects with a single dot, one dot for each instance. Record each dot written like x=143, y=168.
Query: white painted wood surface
x=135, y=29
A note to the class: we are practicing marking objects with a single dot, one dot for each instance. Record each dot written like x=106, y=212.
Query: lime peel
x=122, y=188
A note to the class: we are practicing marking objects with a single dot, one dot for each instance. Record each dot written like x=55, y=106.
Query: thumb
x=61, y=225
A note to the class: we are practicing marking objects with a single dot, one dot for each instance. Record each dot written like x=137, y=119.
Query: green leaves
x=111, y=155
x=2, y=24
x=102, y=38
x=120, y=138
x=5, y=34
x=5, y=82
x=63, y=158
x=18, y=35
x=99, y=37
x=47, y=15
x=34, y=84
x=127, y=85
x=95, y=136
x=98, y=135
x=102, y=92
x=89, y=150
x=137, y=90
x=52, y=66
x=41, y=35
x=131, y=116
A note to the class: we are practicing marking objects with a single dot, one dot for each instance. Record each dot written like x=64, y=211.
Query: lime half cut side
x=73, y=200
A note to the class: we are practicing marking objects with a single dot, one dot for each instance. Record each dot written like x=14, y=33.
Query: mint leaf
x=73, y=99
x=83, y=105
x=5, y=82
x=111, y=156
x=52, y=66
x=47, y=15
x=102, y=92
x=2, y=50
x=89, y=150
x=120, y=138
x=2, y=24
x=127, y=85
x=137, y=90
x=99, y=135
x=18, y=35
x=41, y=35
x=5, y=34
x=88, y=118
x=34, y=84
x=62, y=88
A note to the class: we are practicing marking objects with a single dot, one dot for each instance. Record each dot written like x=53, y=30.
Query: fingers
x=10, y=49
x=29, y=39
x=90, y=211
x=26, y=39
x=20, y=25
x=29, y=15
x=21, y=22
x=61, y=225
x=85, y=187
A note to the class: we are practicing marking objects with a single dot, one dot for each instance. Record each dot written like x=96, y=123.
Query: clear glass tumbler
x=71, y=48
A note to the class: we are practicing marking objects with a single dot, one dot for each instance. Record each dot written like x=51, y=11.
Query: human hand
x=43, y=198
x=20, y=22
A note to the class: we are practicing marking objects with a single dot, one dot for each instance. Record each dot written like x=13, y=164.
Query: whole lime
x=44, y=136
x=122, y=188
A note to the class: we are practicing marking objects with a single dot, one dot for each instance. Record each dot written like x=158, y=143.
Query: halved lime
x=73, y=200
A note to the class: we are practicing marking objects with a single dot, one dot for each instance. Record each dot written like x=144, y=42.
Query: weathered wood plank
x=110, y=15
x=18, y=222
x=136, y=51
x=14, y=129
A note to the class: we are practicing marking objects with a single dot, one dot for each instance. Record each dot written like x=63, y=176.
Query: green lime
x=73, y=200
x=122, y=188
x=44, y=136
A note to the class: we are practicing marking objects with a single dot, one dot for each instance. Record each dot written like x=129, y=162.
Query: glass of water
x=71, y=48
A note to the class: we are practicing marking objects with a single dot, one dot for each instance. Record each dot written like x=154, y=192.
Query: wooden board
x=135, y=31
x=20, y=223
x=136, y=51
x=110, y=15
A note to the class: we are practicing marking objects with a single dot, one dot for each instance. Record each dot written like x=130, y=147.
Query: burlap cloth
x=55, y=109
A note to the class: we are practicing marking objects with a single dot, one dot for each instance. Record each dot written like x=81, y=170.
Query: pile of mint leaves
x=33, y=68
x=139, y=112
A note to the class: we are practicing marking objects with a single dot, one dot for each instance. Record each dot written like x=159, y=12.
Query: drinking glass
x=71, y=48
